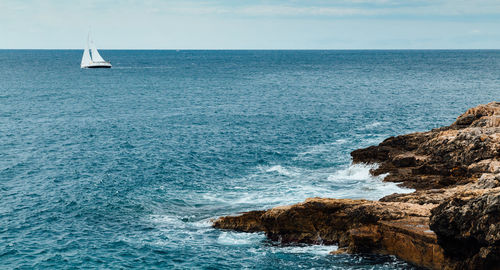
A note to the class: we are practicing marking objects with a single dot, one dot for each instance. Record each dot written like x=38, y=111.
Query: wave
x=322, y=148
x=321, y=250
x=239, y=238
x=358, y=183
x=375, y=124
x=281, y=170
x=270, y=186
x=266, y=187
x=354, y=172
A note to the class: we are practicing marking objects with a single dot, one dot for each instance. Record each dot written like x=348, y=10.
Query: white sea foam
x=353, y=172
x=169, y=223
x=321, y=148
x=309, y=249
x=165, y=220
x=280, y=185
x=362, y=185
x=375, y=124
x=281, y=170
x=204, y=223
x=173, y=230
x=340, y=141
x=266, y=187
x=215, y=197
x=239, y=238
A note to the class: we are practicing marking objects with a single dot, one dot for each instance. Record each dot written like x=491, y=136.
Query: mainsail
x=96, y=57
x=86, y=60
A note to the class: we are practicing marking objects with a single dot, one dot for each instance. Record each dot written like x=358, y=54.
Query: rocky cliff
x=451, y=221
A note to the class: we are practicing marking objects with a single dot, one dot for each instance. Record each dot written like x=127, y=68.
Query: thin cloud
x=251, y=23
x=353, y=8
x=301, y=11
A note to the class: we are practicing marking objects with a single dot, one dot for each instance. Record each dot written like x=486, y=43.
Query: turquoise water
x=124, y=168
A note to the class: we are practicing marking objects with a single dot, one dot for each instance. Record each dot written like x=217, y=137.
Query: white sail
x=86, y=60
x=96, y=57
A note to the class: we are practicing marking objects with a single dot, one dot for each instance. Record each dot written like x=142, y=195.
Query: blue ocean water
x=124, y=168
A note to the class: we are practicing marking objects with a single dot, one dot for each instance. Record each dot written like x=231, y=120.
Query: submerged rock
x=451, y=221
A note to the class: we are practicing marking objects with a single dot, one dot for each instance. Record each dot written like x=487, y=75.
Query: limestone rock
x=468, y=228
x=355, y=225
x=451, y=221
x=447, y=156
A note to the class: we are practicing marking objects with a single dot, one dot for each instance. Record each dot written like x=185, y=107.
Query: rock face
x=451, y=221
x=320, y=220
x=442, y=157
x=469, y=228
x=355, y=225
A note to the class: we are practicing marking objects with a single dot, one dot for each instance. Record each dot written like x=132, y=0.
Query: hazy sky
x=256, y=24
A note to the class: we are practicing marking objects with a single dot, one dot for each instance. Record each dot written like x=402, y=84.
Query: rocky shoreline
x=451, y=221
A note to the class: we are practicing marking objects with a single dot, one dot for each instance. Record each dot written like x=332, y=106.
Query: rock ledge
x=451, y=221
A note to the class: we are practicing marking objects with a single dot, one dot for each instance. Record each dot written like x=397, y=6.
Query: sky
x=257, y=24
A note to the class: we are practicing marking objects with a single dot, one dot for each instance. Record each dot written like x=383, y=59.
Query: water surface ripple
x=124, y=168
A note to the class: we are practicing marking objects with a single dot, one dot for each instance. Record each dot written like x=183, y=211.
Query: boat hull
x=98, y=65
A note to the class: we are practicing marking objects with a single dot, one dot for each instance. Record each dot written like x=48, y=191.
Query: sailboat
x=91, y=57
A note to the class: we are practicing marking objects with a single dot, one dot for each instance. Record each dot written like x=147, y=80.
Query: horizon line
x=257, y=49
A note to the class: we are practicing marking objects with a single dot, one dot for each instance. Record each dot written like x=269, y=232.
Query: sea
x=125, y=168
